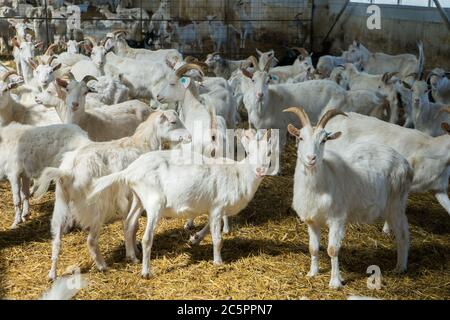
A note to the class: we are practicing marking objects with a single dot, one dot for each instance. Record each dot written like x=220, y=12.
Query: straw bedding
x=266, y=255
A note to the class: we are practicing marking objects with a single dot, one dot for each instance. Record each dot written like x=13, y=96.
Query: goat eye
x=213, y=138
x=300, y=138
x=173, y=122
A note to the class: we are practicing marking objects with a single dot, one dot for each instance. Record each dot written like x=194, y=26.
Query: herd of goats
x=80, y=120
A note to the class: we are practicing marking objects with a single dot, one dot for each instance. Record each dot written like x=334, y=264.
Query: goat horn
x=415, y=75
x=49, y=62
x=91, y=39
x=50, y=49
x=6, y=75
x=254, y=61
x=246, y=73
x=268, y=64
x=328, y=116
x=88, y=78
x=215, y=53
x=302, y=51
x=443, y=110
x=116, y=32
x=301, y=114
x=190, y=59
x=186, y=67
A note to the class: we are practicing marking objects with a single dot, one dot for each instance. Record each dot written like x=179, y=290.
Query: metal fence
x=196, y=27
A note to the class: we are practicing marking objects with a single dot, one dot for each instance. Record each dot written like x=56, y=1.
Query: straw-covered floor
x=266, y=255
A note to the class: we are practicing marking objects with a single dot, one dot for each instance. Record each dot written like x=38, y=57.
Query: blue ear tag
x=185, y=81
x=275, y=78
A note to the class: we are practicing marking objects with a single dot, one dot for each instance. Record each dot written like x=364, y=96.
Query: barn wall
x=401, y=28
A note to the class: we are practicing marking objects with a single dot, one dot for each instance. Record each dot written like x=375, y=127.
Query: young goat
x=27, y=150
x=168, y=187
x=362, y=183
x=102, y=124
x=78, y=169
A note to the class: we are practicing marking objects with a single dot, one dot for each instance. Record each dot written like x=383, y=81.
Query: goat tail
x=48, y=175
x=106, y=182
x=421, y=59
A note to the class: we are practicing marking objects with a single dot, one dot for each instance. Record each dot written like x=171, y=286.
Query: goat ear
x=293, y=130
x=258, y=52
x=163, y=118
x=334, y=135
x=446, y=127
x=62, y=83
x=406, y=85
x=12, y=85
x=57, y=67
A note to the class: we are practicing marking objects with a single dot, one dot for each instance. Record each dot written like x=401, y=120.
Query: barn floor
x=266, y=255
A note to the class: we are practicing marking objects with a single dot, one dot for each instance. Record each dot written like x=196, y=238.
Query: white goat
x=102, y=124
x=223, y=67
x=245, y=23
x=265, y=102
x=383, y=83
x=427, y=116
x=12, y=110
x=168, y=187
x=440, y=86
x=264, y=57
x=187, y=35
x=327, y=63
x=27, y=150
x=78, y=169
x=358, y=184
x=428, y=156
x=302, y=67
x=222, y=34
x=116, y=43
x=380, y=63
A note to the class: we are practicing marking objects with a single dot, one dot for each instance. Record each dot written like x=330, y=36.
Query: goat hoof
x=146, y=275
x=133, y=260
x=218, y=263
x=312, y=273
x=15, y=225
x=51, y=276
x=194, y=239
x=399, y=270
x=188, y=225
x=102, y=267
x=335, y=284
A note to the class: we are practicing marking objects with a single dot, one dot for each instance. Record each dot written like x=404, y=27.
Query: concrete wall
x=401, y=28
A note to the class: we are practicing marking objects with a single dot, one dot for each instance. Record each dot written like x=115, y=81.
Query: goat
x=102, y=124
x=426, y=115
x=264, y=102
x=384, y=83
x=223, y=67
x=27, y=150
x=440, y=86
x=380, y=63
x=222, y=34
x=264, y=57
x=75, y=177
x=12, y=110
x=333, y=188
x=217, y=188
x=245, y=24
x=428, y=156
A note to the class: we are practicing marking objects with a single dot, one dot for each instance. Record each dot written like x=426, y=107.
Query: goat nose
x=311, y=158
x=75, y=105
